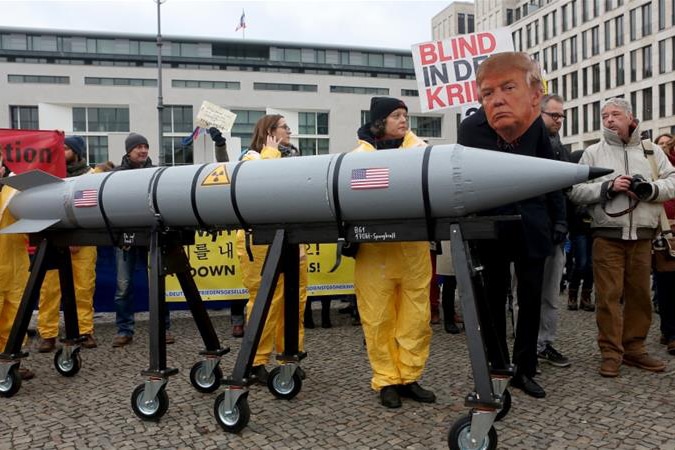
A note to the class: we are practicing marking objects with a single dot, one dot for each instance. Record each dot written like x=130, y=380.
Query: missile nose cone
x=597, y=172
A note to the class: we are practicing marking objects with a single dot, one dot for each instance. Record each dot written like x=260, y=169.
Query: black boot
x=448, y=302
x=325, y=313
x=308, y=319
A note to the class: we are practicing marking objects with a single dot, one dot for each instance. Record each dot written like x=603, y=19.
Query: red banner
x=25, y=150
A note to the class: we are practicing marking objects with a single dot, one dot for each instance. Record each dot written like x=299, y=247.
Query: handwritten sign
x=211, y=115
x=446, y=70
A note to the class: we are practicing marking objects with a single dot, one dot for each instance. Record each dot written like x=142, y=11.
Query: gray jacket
x=625, y=159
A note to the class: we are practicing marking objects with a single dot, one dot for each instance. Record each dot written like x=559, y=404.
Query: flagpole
x=160, y=100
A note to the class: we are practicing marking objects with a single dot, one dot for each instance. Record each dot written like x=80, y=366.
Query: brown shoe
x=644, y=362
x=121, y=340
x=47, y=345
x=610, y=367
x=168, y=338
x=26, y=374
x=237, y=331
x=435, y=316
x=572, y=304
x=89, y=341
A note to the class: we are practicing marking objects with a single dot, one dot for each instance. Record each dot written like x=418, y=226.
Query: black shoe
x=389, y=397
x=259, y=374
x=416, y=392
x=451, y=327
x=528, y=385
x=553, y=357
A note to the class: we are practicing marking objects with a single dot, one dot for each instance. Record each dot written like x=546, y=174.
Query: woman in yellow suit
x=13, y=271
x=84, y=271
x=392, y=281
x=271, y=140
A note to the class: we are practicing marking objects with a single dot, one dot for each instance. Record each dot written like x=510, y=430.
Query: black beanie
x=77, y=145
x=381, y=107
x=133, y=140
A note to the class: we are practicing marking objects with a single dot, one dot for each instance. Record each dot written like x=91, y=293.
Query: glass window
x=584, y=44
x=596, y=116
x=461, y=28
x=573, y=10
x=97, y=149
x=24, y=117
x=618, y=31
x=554, y=57
x=608, y=74
x=620, y=74
x=646, y=19
x=554, y=23
x=285, y=87
x=424, y=126
x=177, y=119
x=647, y=106
x=574, y=85
x=595, y=77
x=375, y=59
x=313, y=146
x=470, y=23
x=647, y=61
x=608, y=35
x=662, y=14
x=662, y=56
x=595, y=41
x=79, y=119
x=633, y=66
x=584, y=82
x=662, y=100
x=563, y=15
x=633, y=24
x=174, y=153
x=243, y=126
x=573, y=50
x=633, y=101
x=359, y=90
x=575, y=120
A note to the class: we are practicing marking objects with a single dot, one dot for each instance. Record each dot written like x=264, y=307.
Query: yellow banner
x=215, y=268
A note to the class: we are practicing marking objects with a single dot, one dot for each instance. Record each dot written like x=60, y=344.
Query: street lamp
x=160, y=101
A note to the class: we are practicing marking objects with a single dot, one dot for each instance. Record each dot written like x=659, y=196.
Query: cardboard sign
x=446, y=70
x=211, y=115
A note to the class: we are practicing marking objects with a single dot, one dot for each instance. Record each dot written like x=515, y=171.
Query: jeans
x=582, y=249
x=125, y=262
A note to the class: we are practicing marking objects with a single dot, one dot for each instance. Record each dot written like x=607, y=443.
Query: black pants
x=496, y=257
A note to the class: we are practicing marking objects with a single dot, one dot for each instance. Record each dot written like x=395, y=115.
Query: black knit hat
x=77, y=145
x=381, y=107
x=133, y=140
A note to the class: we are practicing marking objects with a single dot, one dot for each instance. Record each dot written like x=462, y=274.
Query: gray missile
x=366, y=186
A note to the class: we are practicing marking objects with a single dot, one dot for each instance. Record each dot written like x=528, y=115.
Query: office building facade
x=104, y=85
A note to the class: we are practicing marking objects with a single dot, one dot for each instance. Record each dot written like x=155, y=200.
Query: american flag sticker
x=86, y=198
x=372, y=178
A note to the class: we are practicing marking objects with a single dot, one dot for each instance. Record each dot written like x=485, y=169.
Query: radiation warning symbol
x=218, y=176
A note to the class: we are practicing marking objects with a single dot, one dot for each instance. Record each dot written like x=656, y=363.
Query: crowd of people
x=601, y=232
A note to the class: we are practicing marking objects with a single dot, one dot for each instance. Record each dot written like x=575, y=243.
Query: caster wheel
x=67, y=367
x=12, y=383
x=235, y=420
x=506, y=406
x=205, y=382
x=149, y=410
x=458, y=436
x=281, y=389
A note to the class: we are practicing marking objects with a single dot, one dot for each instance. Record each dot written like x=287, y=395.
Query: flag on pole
x=242, y=21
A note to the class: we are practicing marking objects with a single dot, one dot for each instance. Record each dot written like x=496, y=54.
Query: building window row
x=38, y=79
x=285, y=87
x=206, y=84
x=105, y=81
x=359, y=90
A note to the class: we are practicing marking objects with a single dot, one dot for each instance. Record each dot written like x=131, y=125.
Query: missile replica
x=452, y=180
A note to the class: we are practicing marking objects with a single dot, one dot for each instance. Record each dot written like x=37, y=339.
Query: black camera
x=640, y=187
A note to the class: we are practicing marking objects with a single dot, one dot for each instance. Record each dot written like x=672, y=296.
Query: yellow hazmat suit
x=13, y=268
x=84, y=278
x=392, y=289
x=273, y=331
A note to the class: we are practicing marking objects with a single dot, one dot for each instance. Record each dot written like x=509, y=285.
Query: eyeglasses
x=554, y=116
x=285, y=127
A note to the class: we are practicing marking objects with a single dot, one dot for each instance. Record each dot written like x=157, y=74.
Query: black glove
x=217, y=136
x=559, y=233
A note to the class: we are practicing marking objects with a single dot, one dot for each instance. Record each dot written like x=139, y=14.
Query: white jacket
x=626, y=159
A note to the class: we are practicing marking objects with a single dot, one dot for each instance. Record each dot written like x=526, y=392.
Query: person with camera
x=625, y=207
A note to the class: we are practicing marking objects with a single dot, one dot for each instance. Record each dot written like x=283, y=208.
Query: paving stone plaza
x=336, y=408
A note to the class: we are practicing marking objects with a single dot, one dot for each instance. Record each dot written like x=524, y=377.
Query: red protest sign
x=25, y=150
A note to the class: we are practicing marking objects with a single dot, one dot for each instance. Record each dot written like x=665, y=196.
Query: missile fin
x=31, y=179
x=29, y=226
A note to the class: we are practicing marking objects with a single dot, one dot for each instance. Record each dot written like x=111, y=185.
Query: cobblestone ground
x=336, y=408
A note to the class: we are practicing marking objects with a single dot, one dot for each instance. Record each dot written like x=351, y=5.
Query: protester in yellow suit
x=84, y=272
x=392, y=280
x=271, y=140
x=13, y=270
